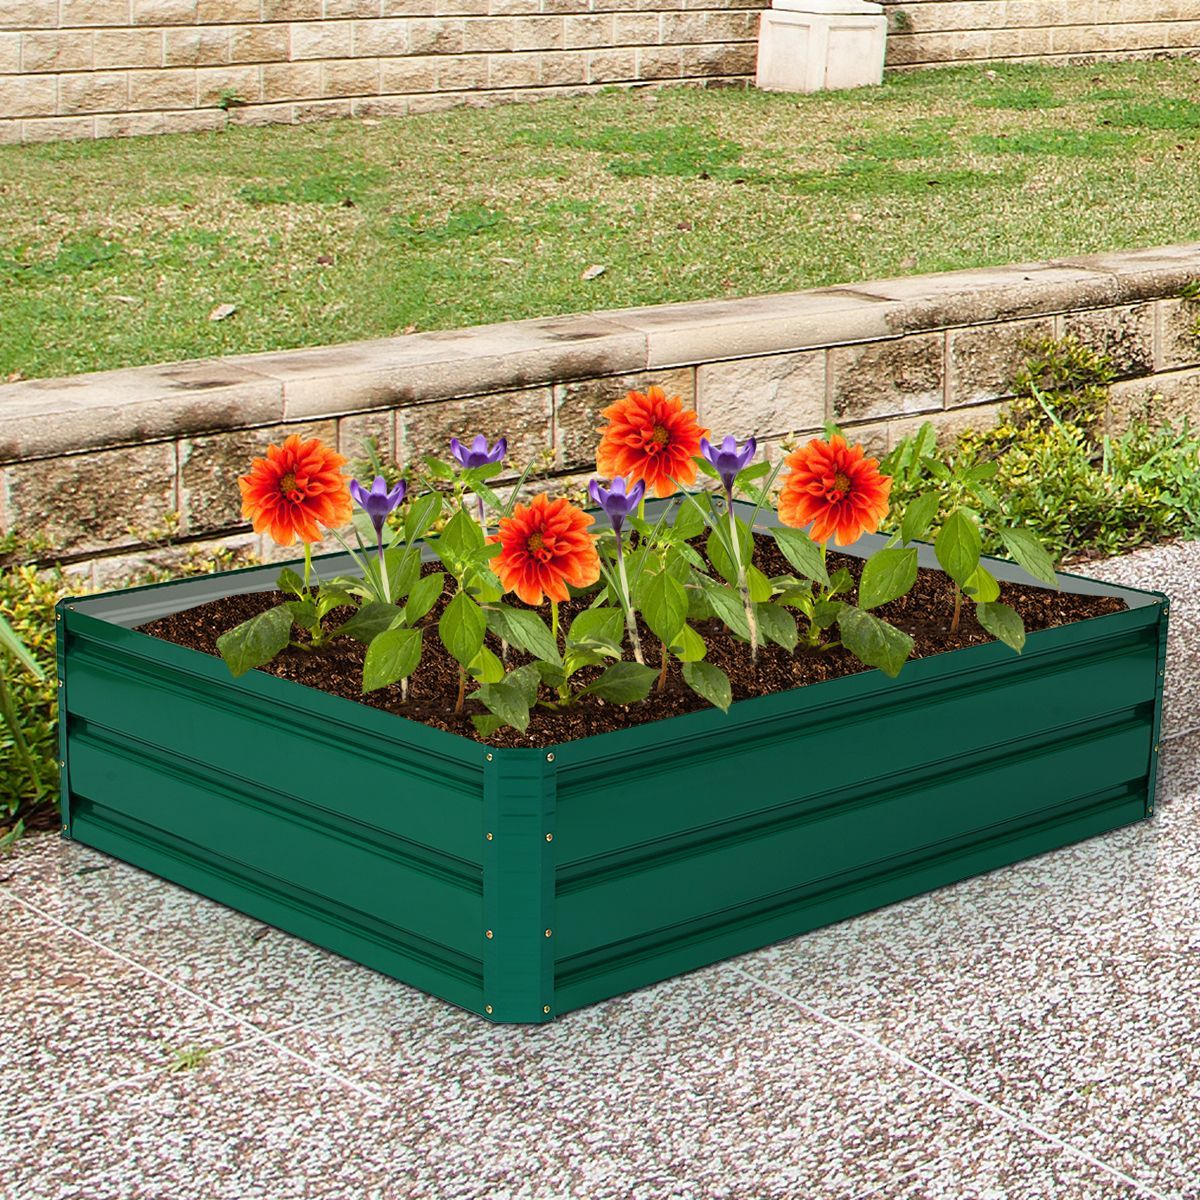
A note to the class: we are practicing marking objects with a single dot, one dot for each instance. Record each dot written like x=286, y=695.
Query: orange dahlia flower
x=546, y=545
x=651, y=438
x=836, y=488
x=295, y=490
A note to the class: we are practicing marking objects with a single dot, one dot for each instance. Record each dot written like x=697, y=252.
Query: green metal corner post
x=519, y=855
x=1155, y=751
x=60, y=646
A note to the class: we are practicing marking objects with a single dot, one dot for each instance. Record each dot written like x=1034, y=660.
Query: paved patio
x=1033, y=1033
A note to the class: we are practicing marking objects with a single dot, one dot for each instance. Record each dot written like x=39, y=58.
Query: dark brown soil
x=925, y=614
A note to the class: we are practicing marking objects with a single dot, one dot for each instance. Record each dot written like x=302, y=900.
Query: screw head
x=487, y=1008
x=488, y=836
x=488, y=757
x=60, y=683
x=549, y=932
x=64, y=829
x=488, y=934
x=549, y=757
x=549, y=837
x=545, y=1008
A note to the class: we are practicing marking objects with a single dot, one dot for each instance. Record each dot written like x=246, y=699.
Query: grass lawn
x=115, y=253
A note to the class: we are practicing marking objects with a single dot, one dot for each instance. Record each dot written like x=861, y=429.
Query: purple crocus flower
x=728, y=459
x=378, y=502
x=479, y=455
x=617, y=501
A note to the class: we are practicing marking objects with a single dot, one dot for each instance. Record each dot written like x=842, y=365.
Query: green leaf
x=437, y=468
x=887, y=575
x=982, y=586
x=663, y=604
x=422, y=513
x=802, y=552
x=958, y=546
x=424, y=594
x=1029, y=552
x=623, y=683
x=486, y=667
x=709, y=682
x=1004, y=623
x=688, y=645
x=717, y=548
x=758, y=585
x=304, y=613
x=256, y=641
x=873, y=641
x=403, y=566
x=507, y=701
x=527, y=680
x=727, y=604
x=777, y=625
x=826, y=612
x=330, y=598
x=524, y=629
x=462, y=627
x=597, y=627
x=392, y=655
x=918, y=516
x=459, y=540
x=289, y=581
x=12, y=643
x=688, y=523
x=370, y=621
x=487, y=723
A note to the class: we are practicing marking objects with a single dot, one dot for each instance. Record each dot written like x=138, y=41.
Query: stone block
x=92, y=502
x=524, y=417
x=461, y=73
x=214, y=83
x=635, y=29
x=437, y=35
x=887, y=379
x=54, y=50
x=57, y=129
x=405, y=75
x=291, y=10
x=195, y=47
x=381, y=39
x=28, y=96
x=985, y=360
x=209, y=468
x=379, y=106
x=410, y=8
x=949, y=424
x=321, y=40
x=1179, y=334
x=594, y=29
x=567, y=67
x=84, y=14
x=612, y=66
x=162, y=12
x=132, y=47
x=98, y=91
x=10, y=53
x=173, y=87
x=513, y=70
x=719, y=60
x=1173, y=396
x=811, y=45
x=28, y=14
x=513, y=8
x=227, y=12
x=354, y=431
x=537, y=33
x=577, y=408
x=320, y=110
x=290, y=81
x=762, y=397
x=352, y=8
x=358, y=77
x=487, y=34
x=1125, y=334
x=10, y=132
x=259, y=44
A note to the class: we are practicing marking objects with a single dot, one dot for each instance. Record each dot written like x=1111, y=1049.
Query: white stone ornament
x=815, y=45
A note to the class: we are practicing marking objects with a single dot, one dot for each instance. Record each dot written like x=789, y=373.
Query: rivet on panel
x=550, y=836
x=1156, y=748
x=489, y=757
x=488, y=836
x=487, y=933
x=545, y=1008
x=60, y=683
x=487, y=1008
x=549, y=932
x=549, y=757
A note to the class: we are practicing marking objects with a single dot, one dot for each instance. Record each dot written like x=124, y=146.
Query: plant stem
x=384, y=588
x=743, y=588
x=662, y=675
x=18, y=735
x=462, y=688
x=957, y=609
x=630, y=619
x=482, y=517
x=307, y=565
x=554, y=620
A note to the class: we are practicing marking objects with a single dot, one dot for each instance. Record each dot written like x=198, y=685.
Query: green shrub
x=1083, y=492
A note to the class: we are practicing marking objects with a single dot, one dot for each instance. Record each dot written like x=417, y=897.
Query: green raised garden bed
x=523, y=883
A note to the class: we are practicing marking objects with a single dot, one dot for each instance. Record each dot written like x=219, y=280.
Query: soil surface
x=925, y=613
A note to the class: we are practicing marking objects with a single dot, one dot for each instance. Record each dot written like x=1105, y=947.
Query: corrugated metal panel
x=615, y=860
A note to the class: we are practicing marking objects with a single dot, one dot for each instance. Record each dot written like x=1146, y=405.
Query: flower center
x=536, y=545
x=287, y=487
x=840, y=487
x=659, y=437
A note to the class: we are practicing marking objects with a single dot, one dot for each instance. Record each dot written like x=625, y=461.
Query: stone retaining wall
x=98, y=466
x=103, y=68
x=927, y=32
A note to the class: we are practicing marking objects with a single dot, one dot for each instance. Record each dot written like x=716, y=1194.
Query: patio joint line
x=263, y=1035
x=982, y=1101
x=45, y=1110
